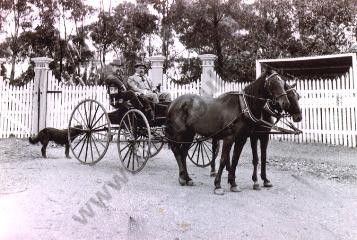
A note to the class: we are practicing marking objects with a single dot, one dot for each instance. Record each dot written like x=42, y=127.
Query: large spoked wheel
x=156, y=141
x=202, y=153
x=134, y=141
x=89, y=131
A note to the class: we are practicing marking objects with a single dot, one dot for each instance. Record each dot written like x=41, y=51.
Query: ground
x=314, y=197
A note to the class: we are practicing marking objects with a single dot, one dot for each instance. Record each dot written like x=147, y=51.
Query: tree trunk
x=12, y=73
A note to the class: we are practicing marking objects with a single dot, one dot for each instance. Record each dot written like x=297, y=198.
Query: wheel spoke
x=126, y=146
x=90, y=114
x=95, y=145
x=95, y=114
x=80, y=153
x=208, y=146
x=98, y=119
x=131, y=152
x=98, y=140
x=85, y=160
x=129, y=149
x=206, y=154
x=105, y=124
x=198, y=152
x=84, y=136
x=194, y=151
x=91, y=148
x=126, y=126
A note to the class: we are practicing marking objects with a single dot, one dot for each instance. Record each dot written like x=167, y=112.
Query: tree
x=20, y=13
x=205, y=26
x=167, y=18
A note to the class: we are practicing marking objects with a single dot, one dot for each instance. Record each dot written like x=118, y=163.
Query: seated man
x=113, y=78
x=141, y=85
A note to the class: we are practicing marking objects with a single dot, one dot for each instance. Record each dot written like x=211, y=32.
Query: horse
x=220, y=118
x=261, y=133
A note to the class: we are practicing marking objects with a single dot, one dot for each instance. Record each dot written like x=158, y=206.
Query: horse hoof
x=182, y=181
x=268, y=184
x=190, y=183
x=235, y=189
x=256, y=186
x=213, y=174
x=219, y=191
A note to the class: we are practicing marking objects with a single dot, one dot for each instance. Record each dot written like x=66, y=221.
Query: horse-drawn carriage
x=138, y=139
x=231, y=117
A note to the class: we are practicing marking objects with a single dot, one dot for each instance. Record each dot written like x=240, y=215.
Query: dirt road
x=314, y=197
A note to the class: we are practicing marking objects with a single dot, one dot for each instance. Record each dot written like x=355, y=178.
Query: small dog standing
x=59, y=136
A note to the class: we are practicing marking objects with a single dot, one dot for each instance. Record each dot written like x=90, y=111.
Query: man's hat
x=116, y=62
x=140, y=64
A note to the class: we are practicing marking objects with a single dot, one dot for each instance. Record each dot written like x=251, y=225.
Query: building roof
x=327, y=65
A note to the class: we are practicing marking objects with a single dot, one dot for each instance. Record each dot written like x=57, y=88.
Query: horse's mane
x=252, y=87
x=231, y=98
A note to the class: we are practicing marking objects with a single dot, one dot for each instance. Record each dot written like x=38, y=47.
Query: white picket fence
x=15, y=110
x=60, y=105
x=329, y=110
x=219, y=86
x=329, y=107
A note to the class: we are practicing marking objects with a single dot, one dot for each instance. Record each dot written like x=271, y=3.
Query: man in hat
x=113, y=76
x=141, y=85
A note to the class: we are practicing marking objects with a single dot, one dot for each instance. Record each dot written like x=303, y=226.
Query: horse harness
x=246, y=112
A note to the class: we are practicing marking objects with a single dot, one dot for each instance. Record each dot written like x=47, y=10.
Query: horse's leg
x=254, y=146
x=264, y=140
x=227, y=145
x=214, y=156
x=184, y=152
x=238, y=147
x=176, y=149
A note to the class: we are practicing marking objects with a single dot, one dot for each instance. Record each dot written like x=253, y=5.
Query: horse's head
x=294, y=109
x=275, y=87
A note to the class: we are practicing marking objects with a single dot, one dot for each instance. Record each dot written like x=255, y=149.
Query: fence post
x=208, y=83
x=2, y=60
x=157, y=66
x=40, y=93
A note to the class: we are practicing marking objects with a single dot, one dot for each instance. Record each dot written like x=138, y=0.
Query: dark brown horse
x=262, y=134
x=222, y=118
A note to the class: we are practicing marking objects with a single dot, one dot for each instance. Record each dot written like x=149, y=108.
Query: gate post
x=208, y=81
x=157, y=67
x=39, y=106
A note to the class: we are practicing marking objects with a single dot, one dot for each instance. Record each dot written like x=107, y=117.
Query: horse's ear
x=293, y=85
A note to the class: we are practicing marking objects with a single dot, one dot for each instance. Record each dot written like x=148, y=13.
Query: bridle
x=267, y=84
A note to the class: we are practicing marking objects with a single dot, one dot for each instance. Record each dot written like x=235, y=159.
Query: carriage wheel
x=156, y=142
x=134, y=141
x=91, y=118
x=201, y=152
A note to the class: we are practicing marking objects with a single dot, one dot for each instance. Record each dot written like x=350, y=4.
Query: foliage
x=189, y=70
x=236, y=31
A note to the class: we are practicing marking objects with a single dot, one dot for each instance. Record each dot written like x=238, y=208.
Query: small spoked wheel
x=134, y=141
x=156, y=141
x=89, y=131
x=202, y=152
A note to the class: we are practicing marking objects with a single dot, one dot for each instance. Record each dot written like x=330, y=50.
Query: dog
x=59, y=136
